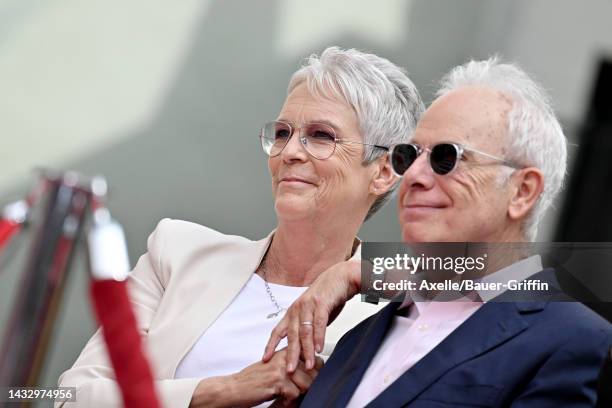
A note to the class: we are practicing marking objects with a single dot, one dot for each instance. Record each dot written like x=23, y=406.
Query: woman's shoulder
x=191, y=231
x=185, y=236
x=179, y=243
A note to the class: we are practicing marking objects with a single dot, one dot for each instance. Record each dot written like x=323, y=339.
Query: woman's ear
x=528, y=186
x=384, y=177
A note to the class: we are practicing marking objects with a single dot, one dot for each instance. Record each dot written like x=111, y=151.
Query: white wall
x=78, y=76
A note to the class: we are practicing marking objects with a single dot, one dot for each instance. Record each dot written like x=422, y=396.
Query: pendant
x=275, y=314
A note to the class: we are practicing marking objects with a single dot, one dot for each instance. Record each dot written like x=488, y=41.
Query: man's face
x=469, y=204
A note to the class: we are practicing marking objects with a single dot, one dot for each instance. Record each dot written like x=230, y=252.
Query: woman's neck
x=301, y=251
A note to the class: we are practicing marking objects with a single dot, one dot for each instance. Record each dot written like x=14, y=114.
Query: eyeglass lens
x=318, y=139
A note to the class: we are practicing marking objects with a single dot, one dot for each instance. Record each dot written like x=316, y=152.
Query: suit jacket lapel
x=354, y=357
x=493, y=324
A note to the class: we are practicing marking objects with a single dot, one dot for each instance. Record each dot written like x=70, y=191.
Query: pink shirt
x=409, y=340
x=428, y=323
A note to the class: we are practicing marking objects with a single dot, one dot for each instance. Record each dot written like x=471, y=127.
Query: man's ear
x=384, y=177
x=528, y=186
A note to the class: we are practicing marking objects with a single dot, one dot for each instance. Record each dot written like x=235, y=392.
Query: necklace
x=279, y=308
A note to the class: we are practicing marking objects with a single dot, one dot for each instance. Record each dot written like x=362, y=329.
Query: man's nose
x=420, y=174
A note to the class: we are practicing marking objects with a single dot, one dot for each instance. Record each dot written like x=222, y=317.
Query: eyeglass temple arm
x=385, y=148
x=499, y=159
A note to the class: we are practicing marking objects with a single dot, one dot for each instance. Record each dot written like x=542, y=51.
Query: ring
x=307, y=323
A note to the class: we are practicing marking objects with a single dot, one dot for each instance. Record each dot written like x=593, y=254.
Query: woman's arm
x=92, y=372
x=94, y=378
x=319, y=306
x=256, y=384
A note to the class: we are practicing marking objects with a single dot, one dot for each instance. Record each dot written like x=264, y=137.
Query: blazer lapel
x=490, y=326
x=204, y=297
x=352, y=358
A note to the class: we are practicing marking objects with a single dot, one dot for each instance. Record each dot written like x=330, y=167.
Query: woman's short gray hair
x=535, y=135
x=385, y=100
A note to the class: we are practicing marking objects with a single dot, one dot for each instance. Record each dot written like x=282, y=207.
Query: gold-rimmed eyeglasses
x=318, y=139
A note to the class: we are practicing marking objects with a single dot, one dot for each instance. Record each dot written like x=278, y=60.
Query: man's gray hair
x=535, y=136
x=385, y=100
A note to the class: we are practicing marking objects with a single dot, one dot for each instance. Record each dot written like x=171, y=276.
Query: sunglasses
x=443, y=157
x=318, y=139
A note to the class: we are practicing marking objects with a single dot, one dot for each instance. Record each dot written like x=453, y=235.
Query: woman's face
x=308, y=188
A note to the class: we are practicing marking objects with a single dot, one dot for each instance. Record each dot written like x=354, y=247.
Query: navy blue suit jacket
x=522, y=354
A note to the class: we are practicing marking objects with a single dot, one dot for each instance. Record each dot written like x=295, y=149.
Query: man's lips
x=414, y=211
x=432, y=206
x=422, y=204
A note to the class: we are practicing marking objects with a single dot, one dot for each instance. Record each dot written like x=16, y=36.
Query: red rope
x=8, y=229
x=124, y=344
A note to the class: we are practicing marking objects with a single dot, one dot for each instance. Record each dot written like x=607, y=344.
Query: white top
x=239, y=335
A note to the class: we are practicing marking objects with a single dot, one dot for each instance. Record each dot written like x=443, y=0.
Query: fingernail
x=290, y=367
x=309, y=364
x=318, y=348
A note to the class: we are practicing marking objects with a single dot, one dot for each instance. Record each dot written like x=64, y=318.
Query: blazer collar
x=239, y=264
x=493, y=324
x=225, y=279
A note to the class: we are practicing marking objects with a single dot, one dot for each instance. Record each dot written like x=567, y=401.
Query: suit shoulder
x=577, y=328
x=575, y=316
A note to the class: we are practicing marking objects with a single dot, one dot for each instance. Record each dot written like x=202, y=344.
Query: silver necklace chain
x=279, y=308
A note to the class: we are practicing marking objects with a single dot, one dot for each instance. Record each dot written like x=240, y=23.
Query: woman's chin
x=294, y=208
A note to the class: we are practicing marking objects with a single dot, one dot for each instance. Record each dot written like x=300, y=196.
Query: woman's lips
x=295, y=182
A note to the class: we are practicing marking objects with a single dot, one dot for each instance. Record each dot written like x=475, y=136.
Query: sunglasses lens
x=443, y=158
x=402, y=157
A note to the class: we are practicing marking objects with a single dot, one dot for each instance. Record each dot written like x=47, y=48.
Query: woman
x=207, y=302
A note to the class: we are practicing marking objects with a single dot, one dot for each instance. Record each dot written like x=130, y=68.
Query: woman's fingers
x=305, y=323
x=306, y=333
x=319, y=324
x=293, y=339
x=302, y=378
x=279, y=333
x=289, y=392
x=318, y=364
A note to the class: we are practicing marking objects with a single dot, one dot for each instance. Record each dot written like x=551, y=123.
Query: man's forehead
x=467, y=115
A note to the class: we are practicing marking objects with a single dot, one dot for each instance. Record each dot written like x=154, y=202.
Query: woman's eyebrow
x=322, y=121
x=328, y=123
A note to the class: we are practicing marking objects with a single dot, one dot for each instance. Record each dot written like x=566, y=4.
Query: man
x=488, y=159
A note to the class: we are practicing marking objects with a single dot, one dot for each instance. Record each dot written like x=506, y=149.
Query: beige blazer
x=185, y=280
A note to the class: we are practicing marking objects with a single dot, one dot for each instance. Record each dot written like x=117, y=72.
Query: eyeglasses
x=443, y=157
x=319, y=139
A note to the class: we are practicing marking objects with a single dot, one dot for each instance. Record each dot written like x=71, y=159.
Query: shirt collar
x=518, y=271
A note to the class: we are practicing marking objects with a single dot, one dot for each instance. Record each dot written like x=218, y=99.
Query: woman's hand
x=255, y=384
x=318, y=306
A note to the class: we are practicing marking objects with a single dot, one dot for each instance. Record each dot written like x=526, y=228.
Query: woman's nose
x=295, y=148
